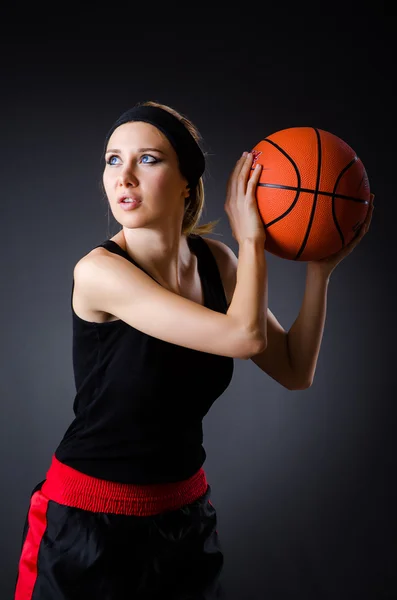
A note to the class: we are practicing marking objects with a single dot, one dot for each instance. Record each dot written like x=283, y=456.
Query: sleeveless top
x=140, y=401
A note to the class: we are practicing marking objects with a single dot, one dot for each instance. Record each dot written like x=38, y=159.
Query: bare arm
x=290, y=357
x=306, y=333
x=249, y=301
x=109, y=283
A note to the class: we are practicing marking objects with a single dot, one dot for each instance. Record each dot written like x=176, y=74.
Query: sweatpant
x=71, y=553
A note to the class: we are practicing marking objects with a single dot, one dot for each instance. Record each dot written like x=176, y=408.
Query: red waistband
x=67, y=486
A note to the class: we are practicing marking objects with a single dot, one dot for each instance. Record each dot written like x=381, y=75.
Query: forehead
x=138, y=134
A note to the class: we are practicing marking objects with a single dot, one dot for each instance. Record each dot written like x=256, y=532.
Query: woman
x=159, y=314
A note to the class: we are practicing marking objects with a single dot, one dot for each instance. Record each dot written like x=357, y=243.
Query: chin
x=127, y=217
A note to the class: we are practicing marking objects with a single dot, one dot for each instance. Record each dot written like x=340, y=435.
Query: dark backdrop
x=303, y=481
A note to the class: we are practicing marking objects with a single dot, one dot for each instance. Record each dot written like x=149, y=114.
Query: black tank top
x=140, y=401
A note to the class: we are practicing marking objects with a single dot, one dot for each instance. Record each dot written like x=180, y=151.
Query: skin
x=328, y=264
x=151, y=235
x=109, y=286
x=151, y=232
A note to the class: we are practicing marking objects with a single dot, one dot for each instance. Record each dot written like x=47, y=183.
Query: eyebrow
x=139, y=150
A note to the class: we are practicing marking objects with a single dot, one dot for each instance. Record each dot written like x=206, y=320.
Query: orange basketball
x=313, y=193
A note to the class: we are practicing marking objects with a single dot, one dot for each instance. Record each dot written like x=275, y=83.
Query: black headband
x=191, y=158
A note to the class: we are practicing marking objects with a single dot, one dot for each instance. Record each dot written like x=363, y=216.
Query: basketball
x=313, y=193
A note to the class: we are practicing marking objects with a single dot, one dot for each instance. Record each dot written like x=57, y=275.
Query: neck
x=164, y=254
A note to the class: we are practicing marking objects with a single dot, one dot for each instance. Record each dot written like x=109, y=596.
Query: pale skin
x=291, y=356
x=108, y=287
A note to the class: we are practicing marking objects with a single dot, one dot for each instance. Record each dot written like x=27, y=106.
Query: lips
x=133, y=198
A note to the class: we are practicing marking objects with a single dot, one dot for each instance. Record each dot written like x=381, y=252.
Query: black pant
x=83, y=555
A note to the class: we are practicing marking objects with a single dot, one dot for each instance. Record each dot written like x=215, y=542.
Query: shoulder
x=227, y=264
x=82, y=275
x=94, y=256
x=98, y=262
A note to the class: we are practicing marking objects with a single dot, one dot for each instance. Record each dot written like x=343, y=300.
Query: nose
x=128, y=177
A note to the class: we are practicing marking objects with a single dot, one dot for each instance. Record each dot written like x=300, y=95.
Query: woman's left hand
x=328, y=264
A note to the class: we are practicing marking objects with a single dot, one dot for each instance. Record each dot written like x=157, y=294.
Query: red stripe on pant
x=27, y=569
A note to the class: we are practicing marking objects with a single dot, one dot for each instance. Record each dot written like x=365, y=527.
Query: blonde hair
x=194, y=204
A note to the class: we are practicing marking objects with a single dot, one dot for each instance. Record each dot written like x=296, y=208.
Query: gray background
x=303, y=481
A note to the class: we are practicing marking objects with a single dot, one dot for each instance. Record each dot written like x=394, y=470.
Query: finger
x=232, y=181
x=368, y=217
x=246, y=164
x=257, y=170
x=363, y=230
x=241, y=161
x=244, y=173
x=357, y=237
x=238, y=167
x=256, y=173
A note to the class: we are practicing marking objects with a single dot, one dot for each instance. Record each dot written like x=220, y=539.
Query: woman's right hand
x=241, y=204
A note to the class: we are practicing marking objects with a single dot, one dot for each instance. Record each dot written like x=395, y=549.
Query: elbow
x=297, y=386
x=255, y=345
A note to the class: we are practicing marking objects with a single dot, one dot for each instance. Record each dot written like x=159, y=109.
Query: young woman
x=159, y=314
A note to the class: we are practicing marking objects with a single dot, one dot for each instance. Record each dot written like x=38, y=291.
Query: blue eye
x=155, y=160
x=150, y=156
